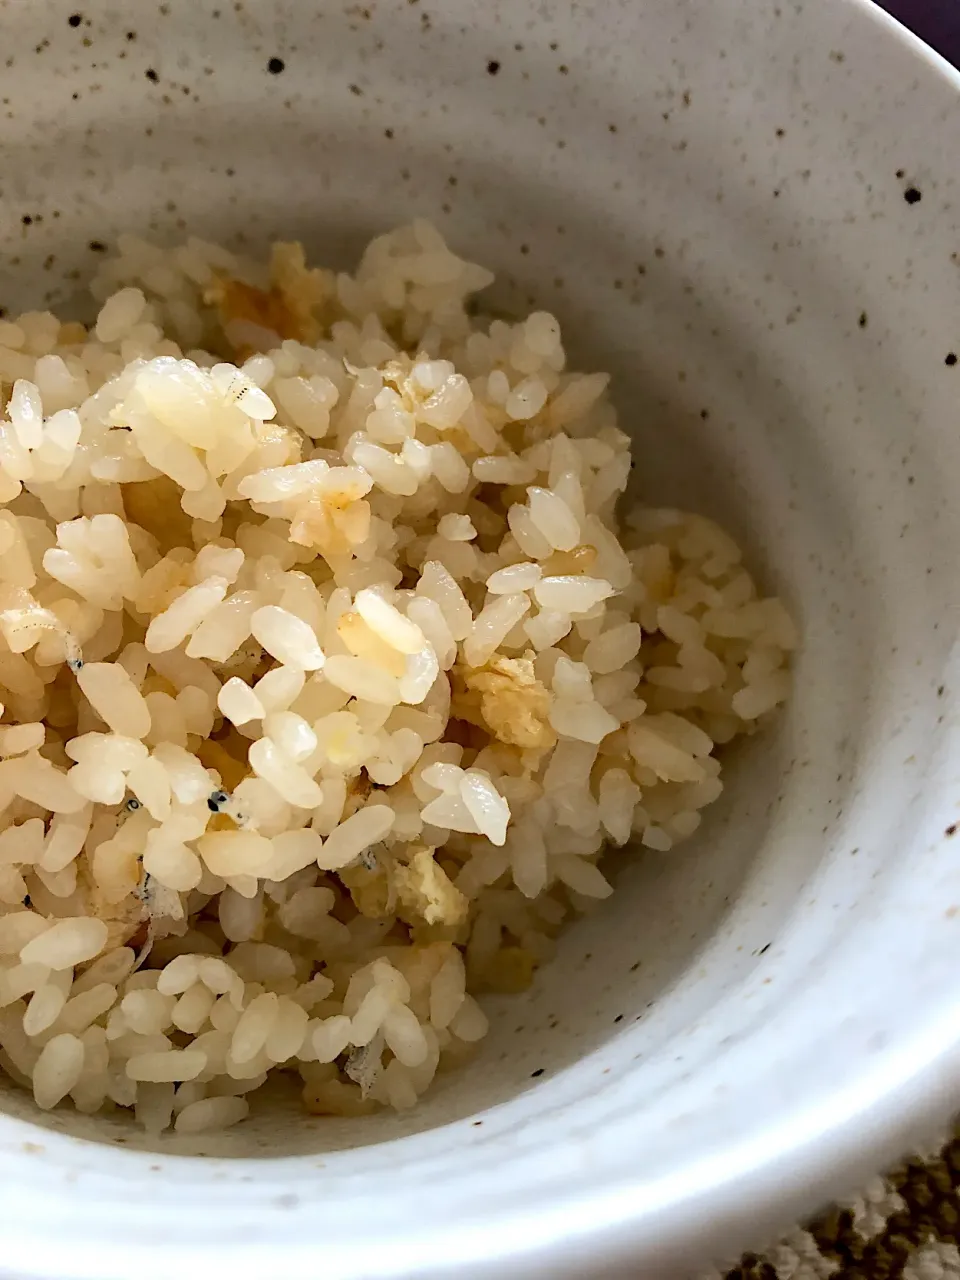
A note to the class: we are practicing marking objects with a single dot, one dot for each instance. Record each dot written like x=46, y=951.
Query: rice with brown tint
x=328, y=674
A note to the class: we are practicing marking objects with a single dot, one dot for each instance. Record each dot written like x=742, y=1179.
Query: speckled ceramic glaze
x=749, y=213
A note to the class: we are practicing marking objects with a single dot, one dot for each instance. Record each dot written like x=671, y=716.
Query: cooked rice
x=328, y=673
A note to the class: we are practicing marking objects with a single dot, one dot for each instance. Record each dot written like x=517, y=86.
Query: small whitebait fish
x=223, y=802
x=364, y=1065
x=34, y=617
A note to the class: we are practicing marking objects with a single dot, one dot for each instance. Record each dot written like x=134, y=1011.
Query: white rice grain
x=553, y=519
x=57, y=1070
x=66, y=943
x=288, y=638
x=256, y=1024
x=330, y=1037
x=613, y=649
x=571, y=594
x=211, y=1114
x=239, y=703
x=513, y=578
x=171, y=628
x=487, y=807
x=469, y=1023
x=361, y=679
x=447, y=991
x=492, y=626
x=388, y=622
x=352, y=837
x=173, y=1065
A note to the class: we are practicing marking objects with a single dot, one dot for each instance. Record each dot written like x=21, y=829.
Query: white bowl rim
x=773, y=1178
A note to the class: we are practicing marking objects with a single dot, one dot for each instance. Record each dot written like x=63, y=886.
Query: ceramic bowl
x=750, y=215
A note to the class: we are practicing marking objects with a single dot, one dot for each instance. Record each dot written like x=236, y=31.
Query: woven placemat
x=905, y=1226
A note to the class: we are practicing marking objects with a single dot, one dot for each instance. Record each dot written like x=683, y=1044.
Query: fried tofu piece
x=290, y=308
x=427, y=891
x=514, y=704
x=306, y=291
x=237, y=300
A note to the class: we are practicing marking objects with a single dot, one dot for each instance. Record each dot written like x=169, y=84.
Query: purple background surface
x=936, y=21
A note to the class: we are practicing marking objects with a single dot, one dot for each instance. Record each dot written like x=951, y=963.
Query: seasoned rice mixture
x=328, y=673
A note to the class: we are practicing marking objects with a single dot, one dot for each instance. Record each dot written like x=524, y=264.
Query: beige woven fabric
x=905, y=1226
